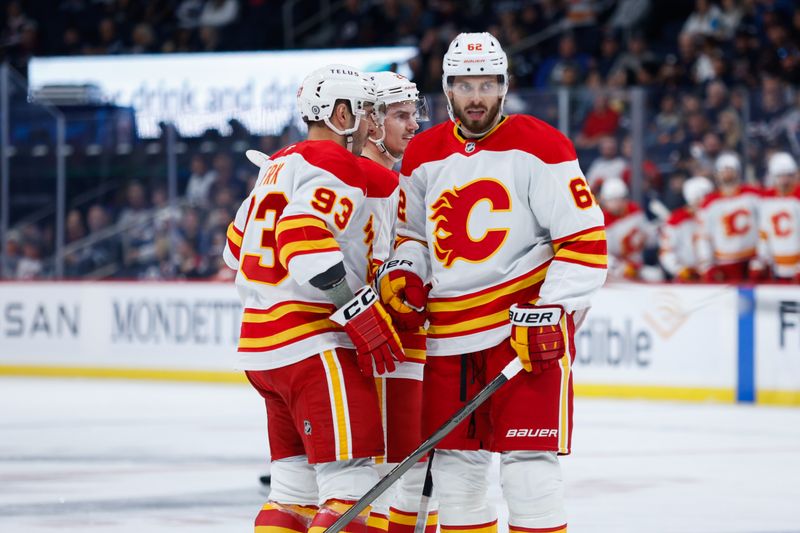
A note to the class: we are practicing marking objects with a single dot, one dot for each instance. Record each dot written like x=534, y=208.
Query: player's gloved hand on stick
x=369, y=327
x=537, y=336
x=403, y=293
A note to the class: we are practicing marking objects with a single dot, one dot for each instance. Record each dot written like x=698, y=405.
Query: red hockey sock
x=404, y=521
x=281, y=518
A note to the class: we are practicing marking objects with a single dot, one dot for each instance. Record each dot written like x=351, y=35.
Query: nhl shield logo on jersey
x=469, y=147
x=451, y=216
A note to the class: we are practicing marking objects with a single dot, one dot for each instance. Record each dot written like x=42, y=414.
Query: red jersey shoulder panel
x=679, y=216
x=751, y=189
x=631, y=207
x=531, y=135
x=432, y=144
x=381, y=181
x=330, y=157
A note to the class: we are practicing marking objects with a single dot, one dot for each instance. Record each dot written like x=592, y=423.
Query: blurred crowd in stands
x=717, y=77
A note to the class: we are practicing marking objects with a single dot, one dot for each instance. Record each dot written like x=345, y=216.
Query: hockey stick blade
x=425, y=501
x=511, y=370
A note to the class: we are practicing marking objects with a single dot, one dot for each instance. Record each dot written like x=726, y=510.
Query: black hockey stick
x=511, y=370
x=425, y=501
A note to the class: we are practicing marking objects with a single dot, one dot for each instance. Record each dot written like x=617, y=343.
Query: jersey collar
x=463, y=140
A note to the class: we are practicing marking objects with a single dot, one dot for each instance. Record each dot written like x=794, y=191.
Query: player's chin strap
x=381, y=145
x=347, y=133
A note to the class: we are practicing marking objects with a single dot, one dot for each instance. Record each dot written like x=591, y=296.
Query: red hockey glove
x=370, y=328
x=537, y=336
x=403, y=293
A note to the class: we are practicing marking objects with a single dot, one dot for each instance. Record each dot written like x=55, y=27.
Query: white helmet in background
x=613, y=189
x=781, y=163
x=319, y=91
x=728, y=160
x=474, y=54
x=392, y=88
x=695, y=190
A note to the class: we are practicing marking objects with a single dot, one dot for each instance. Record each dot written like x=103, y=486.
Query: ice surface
x=120, y=456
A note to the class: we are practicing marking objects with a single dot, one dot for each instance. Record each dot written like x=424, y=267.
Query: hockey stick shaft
x=425, y=501
x=511, y=370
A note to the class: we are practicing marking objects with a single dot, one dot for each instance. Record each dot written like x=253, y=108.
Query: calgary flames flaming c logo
x=451, y=215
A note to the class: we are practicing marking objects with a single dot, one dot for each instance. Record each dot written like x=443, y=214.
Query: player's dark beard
x=478, y=126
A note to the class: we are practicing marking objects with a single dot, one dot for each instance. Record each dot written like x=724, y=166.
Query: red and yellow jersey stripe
x=235, y=236
x=587, y=248
x=483, y=310
x=413, y=343
x=283, y=324
x=303, y=234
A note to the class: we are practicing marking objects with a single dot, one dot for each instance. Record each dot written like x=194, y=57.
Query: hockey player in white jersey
x=678, y=236
x=779, y=221
x=313, y=332
x=499, y=218
x=627, y=230
x=728, y=236
x=399, y=109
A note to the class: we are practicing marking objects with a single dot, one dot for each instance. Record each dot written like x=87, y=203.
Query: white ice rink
x=119, y=456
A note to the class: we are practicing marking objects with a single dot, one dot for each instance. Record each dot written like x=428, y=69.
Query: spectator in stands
x=224, y=178
x=601, y=121
x=781, y=56
x=729, y=127
x=705, y=20
x=609, y=54
x=636, y=55
x=30, y=265
x=650, y=172
x=349, y=23
x=200, y=181
x=108, y=41
x=716, y=100
x=16, y=21
x=609, y=165
x=219, y=13
x=143, y=39
x=105, y=249
x=13, y=253
x=138, y=231
x=552, y=70
x=730, y=16
x=76, y=263
x=629, y=14
x=667, y=122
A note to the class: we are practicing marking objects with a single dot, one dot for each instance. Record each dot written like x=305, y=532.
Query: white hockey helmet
x=695, y=189
x=392, y=88
x=781, y=163
x=319, y=91
x=474, y=54
x=728, y=160
x=613, y=189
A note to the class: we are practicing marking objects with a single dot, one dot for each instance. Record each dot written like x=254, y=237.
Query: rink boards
x=675, y=342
